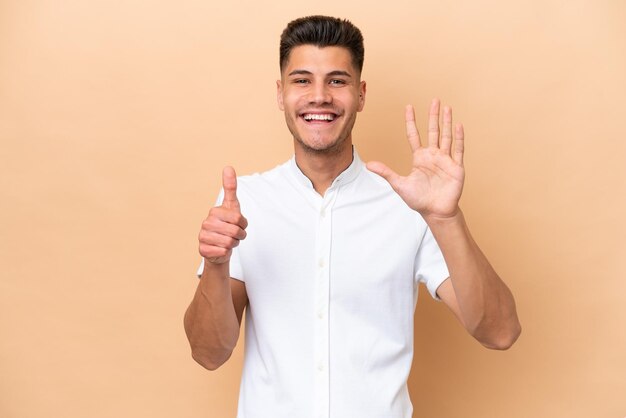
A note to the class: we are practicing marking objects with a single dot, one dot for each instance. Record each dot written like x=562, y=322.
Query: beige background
x=117, y=116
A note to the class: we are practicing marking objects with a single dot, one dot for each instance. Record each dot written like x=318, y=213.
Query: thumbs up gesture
x=225, y=226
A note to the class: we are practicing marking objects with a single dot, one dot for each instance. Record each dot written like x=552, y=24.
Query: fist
x=225, y=226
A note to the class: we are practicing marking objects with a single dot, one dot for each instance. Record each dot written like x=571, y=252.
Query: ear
x=279, y=95
x=362, y=91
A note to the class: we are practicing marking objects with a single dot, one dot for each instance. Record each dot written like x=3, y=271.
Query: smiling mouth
x=319, y=117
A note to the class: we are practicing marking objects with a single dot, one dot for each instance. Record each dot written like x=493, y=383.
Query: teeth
x=310, y=116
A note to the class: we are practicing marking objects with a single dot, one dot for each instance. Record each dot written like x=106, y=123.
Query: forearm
x=211, y=322
x=485, y=304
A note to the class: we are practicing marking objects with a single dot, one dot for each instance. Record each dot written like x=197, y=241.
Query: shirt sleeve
x=236, y=272
x=430, y=266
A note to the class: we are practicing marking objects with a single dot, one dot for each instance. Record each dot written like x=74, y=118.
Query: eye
x=300, y=81
x=337, y=81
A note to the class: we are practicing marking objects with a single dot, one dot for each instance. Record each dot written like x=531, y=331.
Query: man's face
x=320, y=92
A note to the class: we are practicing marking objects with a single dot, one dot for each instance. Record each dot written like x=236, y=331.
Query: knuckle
x=206, y=237
x=205, y=250
x=226, y=241
x=213, y=252
x=233, y=231
x=215, y=212
x=203, y=235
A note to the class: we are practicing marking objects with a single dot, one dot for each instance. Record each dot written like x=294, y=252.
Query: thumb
x=229, y=183
x=385, y=172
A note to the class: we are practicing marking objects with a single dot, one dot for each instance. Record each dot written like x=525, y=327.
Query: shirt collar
x=346, y=176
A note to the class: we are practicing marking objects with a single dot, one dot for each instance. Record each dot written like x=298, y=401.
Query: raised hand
x=434, y=185
x=225, y=226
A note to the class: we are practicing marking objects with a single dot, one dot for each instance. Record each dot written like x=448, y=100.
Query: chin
x=328, y=147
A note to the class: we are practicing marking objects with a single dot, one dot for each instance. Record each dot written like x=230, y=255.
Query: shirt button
x=322, y=213
x=320, y=367
x=320, y=263
x=320, y=315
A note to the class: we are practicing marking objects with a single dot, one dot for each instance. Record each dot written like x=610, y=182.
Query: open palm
x=434, y=185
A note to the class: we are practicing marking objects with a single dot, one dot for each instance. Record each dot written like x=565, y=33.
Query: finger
x=446, y=133
x=385, y=172
x=214, y=254
x=231, y=230
x=433, y=124
x=214, y=224
x=229, y=182
x=459, y=144
x=214, y=239
x=228, y=215
x=411, y=129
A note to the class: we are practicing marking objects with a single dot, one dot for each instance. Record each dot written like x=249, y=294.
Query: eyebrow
x=331, y=74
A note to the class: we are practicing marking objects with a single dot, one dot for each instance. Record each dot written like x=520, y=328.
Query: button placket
x=322, y=299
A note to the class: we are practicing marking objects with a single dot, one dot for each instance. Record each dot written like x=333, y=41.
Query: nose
x=320, y=94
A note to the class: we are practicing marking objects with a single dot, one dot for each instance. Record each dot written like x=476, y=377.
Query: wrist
x=454, y=218
x=212, y=267
x=448, y=229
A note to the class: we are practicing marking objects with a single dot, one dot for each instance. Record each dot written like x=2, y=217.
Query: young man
x=330, y=252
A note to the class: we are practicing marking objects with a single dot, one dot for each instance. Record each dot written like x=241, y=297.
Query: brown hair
x=322, y=31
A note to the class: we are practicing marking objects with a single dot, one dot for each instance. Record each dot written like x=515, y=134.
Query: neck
x=322, y=168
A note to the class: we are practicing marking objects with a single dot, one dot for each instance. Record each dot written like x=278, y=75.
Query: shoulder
x=372, y=185
x=267, y=175
x=264, y=182
x=377, y=194
x=374, y=180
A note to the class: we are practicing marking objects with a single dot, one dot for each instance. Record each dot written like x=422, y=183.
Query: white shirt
x=332, y=285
